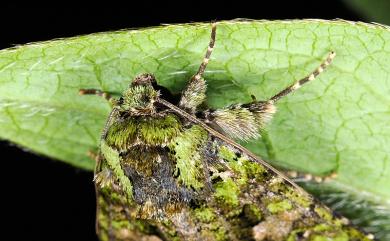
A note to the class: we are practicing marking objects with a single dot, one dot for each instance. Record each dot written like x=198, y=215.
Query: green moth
x=170, y=170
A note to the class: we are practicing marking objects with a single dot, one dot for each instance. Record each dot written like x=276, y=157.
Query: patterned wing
x=114, y=219
x=258, y=203
x=248, y=199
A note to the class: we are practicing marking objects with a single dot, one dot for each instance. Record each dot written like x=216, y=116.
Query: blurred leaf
x=373, y=10
x=338, y=123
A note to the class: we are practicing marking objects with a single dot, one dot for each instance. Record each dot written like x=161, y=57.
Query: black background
x=47, y=200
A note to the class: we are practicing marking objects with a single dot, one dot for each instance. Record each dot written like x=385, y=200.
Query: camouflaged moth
x=169, y=171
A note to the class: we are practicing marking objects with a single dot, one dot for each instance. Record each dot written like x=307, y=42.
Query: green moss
x=277, y=185
x=355, y=234
x=293, y=235
x=252, y=213
x=339, y=237
x=244, y=168
x=240, y=172
x=205, y=215
x=218, y=232
x=188, y=156
x=234, y=212
x=300, y=199
x=227, y=192
x=322, y=227
x=323, y=213
x=325, y=232
x=253, y=169
x=221, y=234
x=276, y=207
x=227, y=154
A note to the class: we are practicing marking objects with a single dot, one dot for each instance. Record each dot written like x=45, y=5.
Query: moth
x=172, y=170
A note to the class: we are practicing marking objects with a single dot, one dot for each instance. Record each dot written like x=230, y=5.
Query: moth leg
x=306, y=79
x=195, y=92
x=240, y=121
x=100, y=93
x=244, y=121
x=299, y=176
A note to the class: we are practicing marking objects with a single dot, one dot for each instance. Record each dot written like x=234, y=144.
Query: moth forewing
x=164, y=172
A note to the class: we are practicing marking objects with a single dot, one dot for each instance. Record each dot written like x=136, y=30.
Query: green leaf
x=377, y=10
x=338, y=123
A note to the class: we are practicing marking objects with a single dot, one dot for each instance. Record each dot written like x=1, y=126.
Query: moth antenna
x=308, y=78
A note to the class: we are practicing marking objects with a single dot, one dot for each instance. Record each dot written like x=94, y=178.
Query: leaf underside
x=338, y=123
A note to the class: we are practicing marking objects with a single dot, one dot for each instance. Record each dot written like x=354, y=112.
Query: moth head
x=140, y=97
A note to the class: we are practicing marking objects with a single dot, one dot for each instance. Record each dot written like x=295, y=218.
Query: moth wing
x=114, y=221
x=251, y=183
x=240, y=151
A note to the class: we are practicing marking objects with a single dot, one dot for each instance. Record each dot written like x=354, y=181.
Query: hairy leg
x=244, y=121
x=195, y=92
